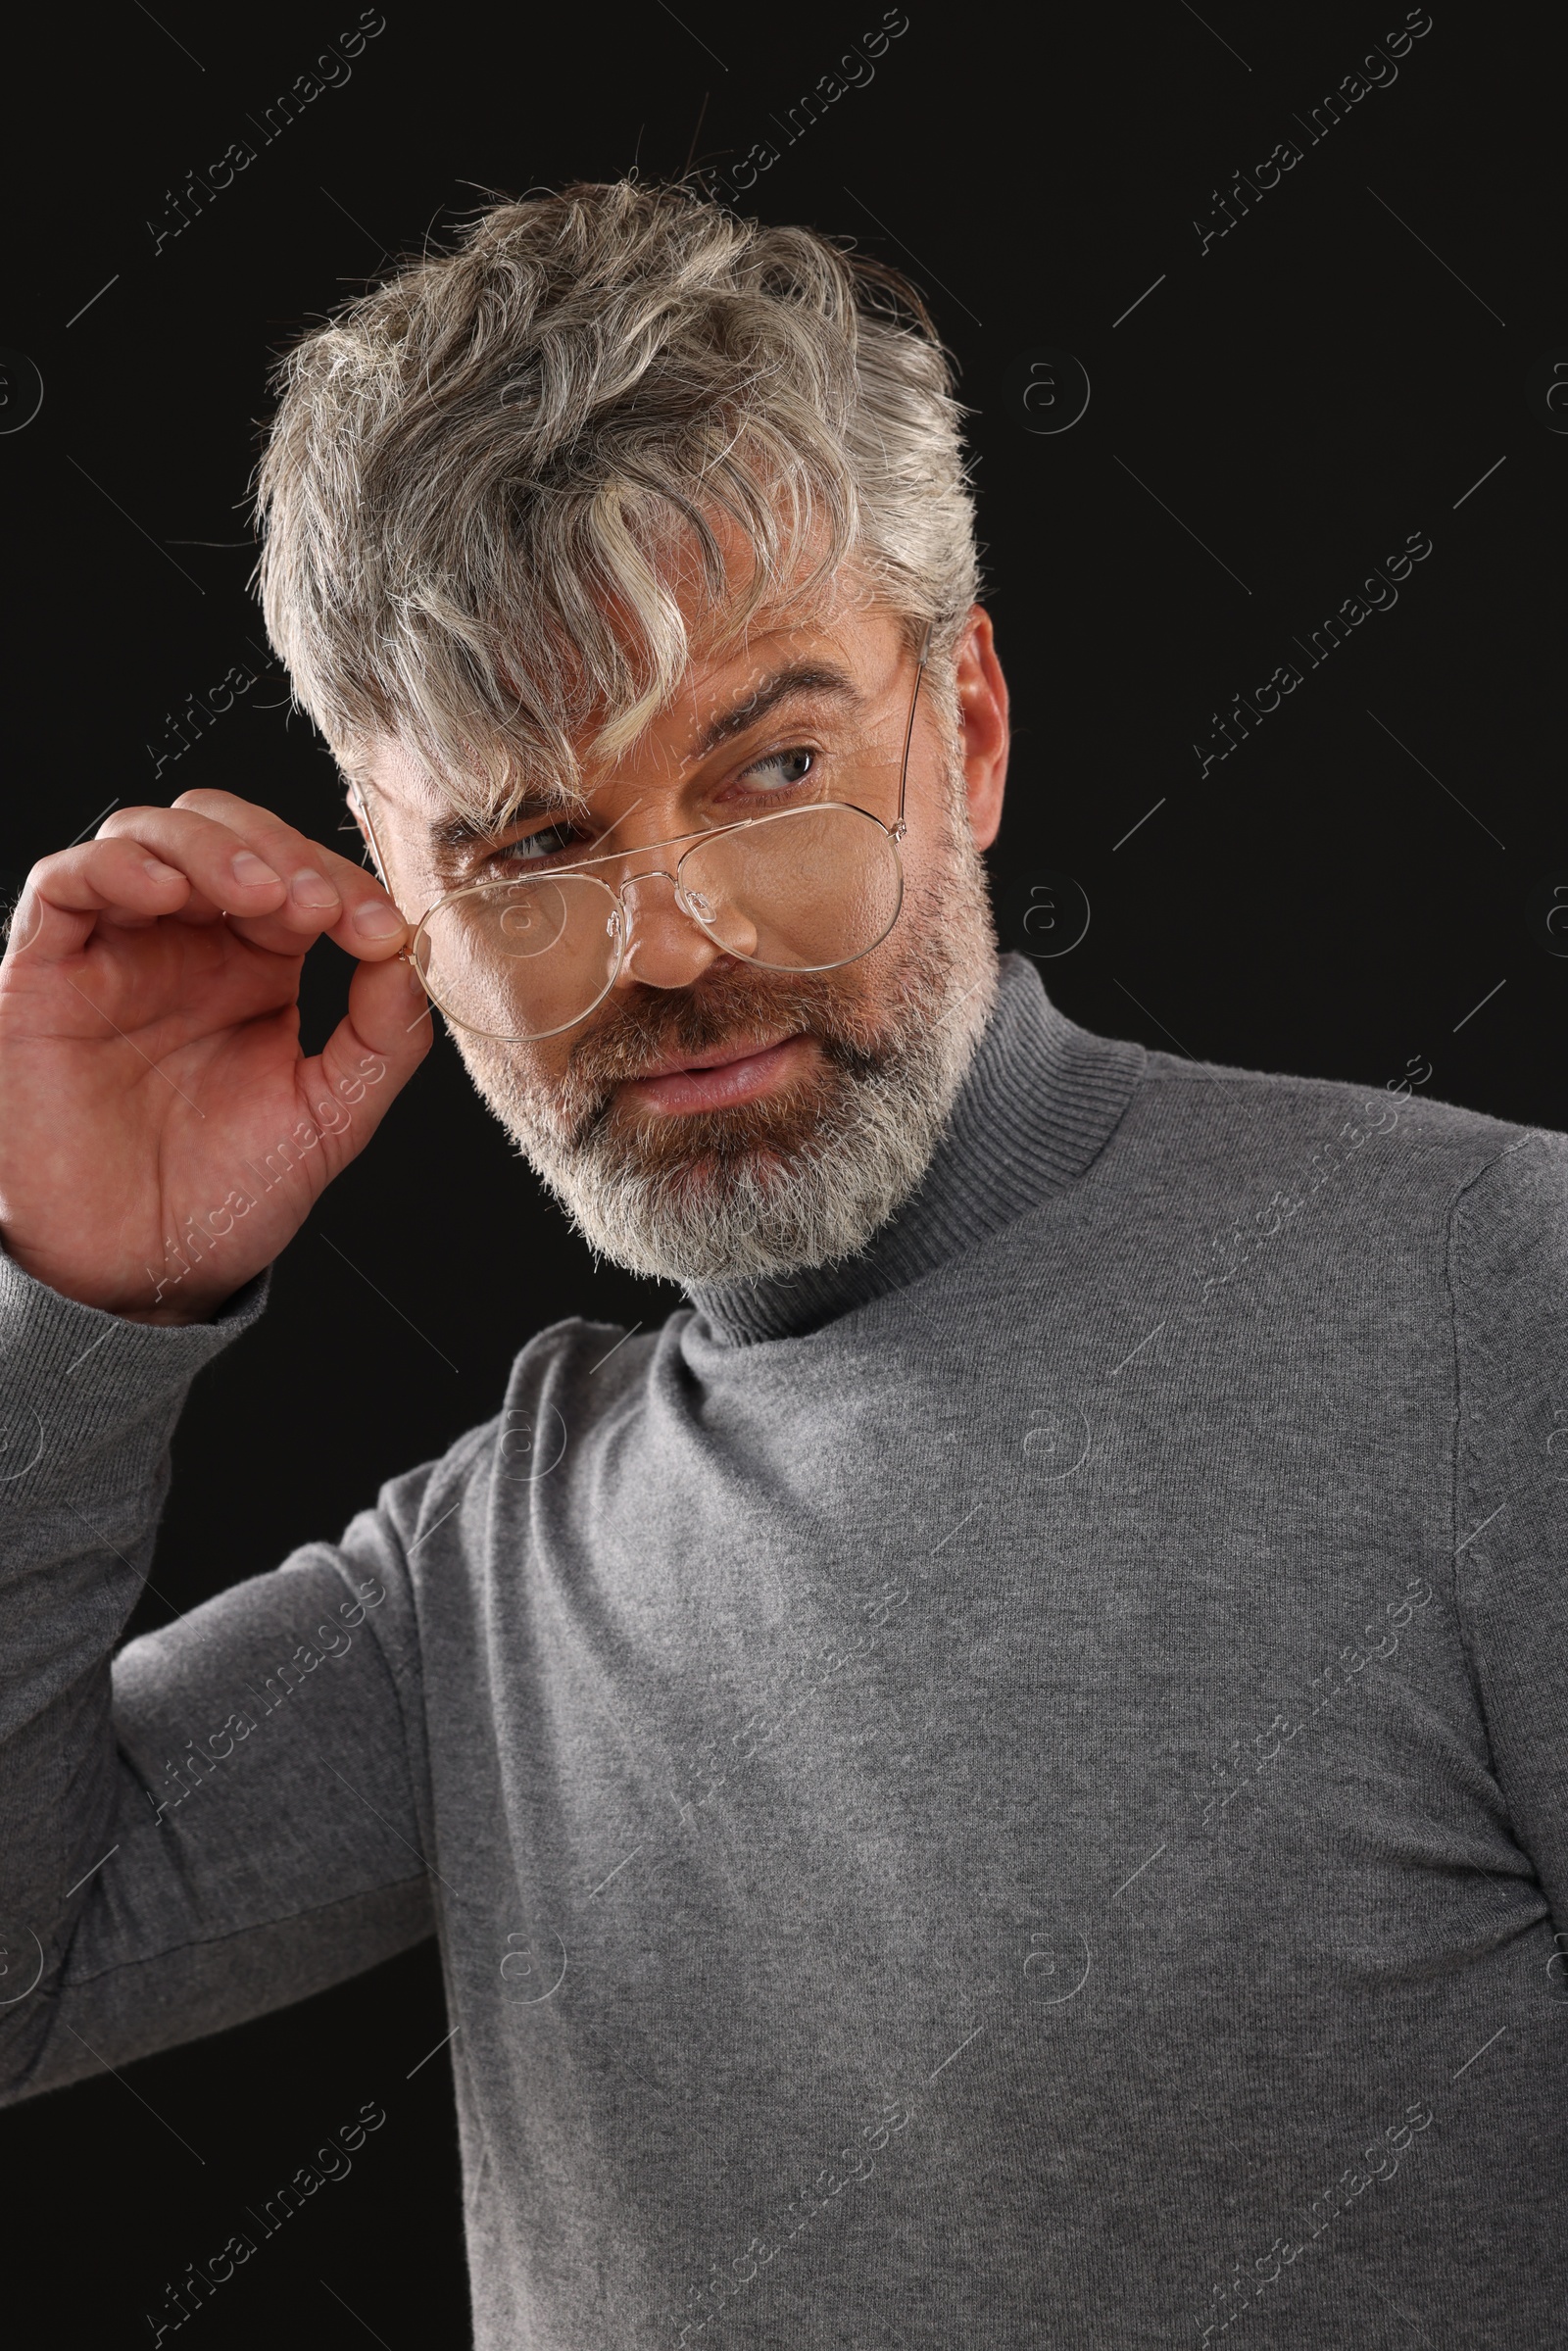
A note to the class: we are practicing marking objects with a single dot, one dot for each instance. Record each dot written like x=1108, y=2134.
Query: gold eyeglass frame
x=620, y=923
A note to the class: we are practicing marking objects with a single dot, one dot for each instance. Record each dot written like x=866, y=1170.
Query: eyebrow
x=453, y=833
x=799, y=677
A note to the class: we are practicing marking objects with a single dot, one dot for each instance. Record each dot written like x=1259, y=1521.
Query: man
x=993, y=1781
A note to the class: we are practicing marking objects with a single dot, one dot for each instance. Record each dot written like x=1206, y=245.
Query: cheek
x=939, y=849
x=536, y=1081
x=544, y=1069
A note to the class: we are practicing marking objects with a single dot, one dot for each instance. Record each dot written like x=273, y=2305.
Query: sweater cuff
x=72, y=1376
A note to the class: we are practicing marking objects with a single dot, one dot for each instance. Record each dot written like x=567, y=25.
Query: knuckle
x=256, y=825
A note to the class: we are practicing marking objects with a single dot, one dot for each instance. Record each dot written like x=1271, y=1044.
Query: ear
x=984, y=738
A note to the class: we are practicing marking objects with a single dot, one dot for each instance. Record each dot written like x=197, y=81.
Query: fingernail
x=312, y=889
x=378, y=918
x=252, y=871
x=162, y=873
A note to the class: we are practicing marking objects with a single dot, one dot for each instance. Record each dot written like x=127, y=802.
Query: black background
x=1345, y=894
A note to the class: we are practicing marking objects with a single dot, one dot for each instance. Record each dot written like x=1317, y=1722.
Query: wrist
x=194, y=1311
x=143, y=1304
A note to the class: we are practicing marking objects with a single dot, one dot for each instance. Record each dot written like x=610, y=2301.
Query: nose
x=664, y=948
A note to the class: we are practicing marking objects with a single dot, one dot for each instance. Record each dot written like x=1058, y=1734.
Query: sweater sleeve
x=1508, y=1262
x=224, y=1817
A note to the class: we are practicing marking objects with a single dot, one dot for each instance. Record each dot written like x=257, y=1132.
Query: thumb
x=375, y=1049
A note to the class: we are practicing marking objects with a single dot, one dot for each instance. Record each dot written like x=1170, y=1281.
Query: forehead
x=847, y=656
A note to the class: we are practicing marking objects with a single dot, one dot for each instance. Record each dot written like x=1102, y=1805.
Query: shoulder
x=1208, y=1110
x=1510, y=1228
x=570, y=1380
x=573, y=1377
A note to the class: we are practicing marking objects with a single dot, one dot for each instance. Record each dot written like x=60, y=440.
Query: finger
x=326, y=891
x=224, y=870
x=68, y=894
x=373, y=1052
x=282, y=905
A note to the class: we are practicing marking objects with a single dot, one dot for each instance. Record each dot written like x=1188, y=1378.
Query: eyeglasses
x=803, y=889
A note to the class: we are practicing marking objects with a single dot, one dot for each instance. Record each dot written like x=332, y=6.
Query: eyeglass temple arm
x=358, y=799
x=909, y=732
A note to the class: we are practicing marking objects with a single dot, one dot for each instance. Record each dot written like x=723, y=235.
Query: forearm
x=88, y=1406
x=222, y=1819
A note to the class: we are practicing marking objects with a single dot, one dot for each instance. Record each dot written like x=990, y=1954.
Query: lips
x=716, y=1056
x=722, y=1078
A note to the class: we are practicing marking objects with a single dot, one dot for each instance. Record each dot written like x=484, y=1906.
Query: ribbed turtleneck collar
x=1040, y=1098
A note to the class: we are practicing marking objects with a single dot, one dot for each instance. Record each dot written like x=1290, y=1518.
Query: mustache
x=661, y=1025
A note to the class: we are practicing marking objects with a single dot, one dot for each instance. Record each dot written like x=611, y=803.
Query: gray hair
x=482, y=476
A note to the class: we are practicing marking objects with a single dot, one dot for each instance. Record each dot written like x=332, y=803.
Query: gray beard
x=767, y=1187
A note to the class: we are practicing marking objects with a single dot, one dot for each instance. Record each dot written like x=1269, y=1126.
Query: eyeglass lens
x=803, y=890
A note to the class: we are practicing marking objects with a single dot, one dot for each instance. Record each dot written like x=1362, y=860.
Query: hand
x=162, y=1136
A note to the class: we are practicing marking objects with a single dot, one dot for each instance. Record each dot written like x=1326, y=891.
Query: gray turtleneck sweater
x=1007, y=1792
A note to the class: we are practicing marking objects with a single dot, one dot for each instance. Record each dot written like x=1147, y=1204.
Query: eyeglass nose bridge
x=691, y=904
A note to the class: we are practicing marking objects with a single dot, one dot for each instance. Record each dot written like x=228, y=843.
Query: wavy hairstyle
x=484, y=479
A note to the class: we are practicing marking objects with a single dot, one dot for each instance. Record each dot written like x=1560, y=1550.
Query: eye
x=534, y=849
x=780, y=772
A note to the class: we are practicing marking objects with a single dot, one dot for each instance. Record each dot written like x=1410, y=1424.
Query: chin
x=769, y=1189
